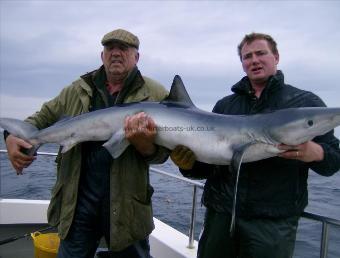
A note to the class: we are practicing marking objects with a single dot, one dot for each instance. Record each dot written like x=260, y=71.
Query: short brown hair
x=249, y=38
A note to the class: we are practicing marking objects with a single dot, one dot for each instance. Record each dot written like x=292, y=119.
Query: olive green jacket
x=131, y=215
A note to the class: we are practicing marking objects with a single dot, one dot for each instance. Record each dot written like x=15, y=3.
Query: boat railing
x=326, y=221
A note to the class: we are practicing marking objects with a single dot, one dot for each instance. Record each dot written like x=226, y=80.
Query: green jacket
x=131, y=217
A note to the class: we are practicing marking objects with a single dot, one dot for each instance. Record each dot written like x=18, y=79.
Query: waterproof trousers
x=253, y=238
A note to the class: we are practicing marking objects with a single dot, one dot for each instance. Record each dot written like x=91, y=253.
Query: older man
x=94, y=195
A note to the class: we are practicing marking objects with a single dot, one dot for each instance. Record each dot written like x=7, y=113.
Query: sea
x=172, y=199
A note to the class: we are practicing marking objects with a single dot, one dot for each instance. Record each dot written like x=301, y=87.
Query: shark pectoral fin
x=67, y=145
x=234, y=168
x=117, y=144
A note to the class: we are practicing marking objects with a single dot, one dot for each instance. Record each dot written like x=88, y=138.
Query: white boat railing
x=326, y=221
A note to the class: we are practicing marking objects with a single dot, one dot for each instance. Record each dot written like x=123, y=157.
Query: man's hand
x=307, y=152
x=140, y=131
x=183, y=157
x=18, y=159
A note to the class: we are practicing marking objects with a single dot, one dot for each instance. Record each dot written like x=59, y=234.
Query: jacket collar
x=132, y=83
x=97, y=78
x=243, y=87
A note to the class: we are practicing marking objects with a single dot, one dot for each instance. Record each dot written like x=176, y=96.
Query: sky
x=45, y=45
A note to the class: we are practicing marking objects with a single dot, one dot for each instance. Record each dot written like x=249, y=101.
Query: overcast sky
x=45, y=45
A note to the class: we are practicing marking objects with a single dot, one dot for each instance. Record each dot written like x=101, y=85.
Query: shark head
x=297, y=125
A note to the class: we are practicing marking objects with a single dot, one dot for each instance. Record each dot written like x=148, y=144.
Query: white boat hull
x=165, y=241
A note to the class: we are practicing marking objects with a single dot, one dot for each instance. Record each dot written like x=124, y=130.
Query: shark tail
x=22, y=130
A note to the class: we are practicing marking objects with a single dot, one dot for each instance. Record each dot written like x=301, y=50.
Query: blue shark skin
x=214, y=138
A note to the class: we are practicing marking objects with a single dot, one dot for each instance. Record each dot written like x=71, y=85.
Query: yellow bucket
x=45, y=245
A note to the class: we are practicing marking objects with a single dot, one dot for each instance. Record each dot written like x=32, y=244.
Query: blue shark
x=214, y=138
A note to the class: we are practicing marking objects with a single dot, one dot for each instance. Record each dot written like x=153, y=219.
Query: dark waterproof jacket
x=274, y=187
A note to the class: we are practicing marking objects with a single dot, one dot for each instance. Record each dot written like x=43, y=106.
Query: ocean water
x=172, y=200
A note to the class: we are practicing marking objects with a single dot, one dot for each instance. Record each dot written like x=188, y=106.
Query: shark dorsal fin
x=178, y=94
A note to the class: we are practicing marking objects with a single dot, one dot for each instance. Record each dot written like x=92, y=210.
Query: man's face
x=258, y=61
x=119, y=59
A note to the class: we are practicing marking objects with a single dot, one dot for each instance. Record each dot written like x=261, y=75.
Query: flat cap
x=121, y=36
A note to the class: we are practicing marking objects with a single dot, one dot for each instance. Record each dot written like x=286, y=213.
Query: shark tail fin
x=22, y=130
x=178, y=94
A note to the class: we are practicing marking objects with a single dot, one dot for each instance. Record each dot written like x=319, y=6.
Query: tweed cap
x=121, y=36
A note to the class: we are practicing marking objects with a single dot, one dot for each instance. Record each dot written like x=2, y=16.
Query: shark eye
x=310, y=122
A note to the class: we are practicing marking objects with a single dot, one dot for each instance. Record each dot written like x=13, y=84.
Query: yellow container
x=45, y=245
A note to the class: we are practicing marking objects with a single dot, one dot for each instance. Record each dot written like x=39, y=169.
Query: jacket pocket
x=142, y=221
x=54, y=209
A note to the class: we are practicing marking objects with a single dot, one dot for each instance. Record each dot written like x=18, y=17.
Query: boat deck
x=30, y=216
x=20, y=248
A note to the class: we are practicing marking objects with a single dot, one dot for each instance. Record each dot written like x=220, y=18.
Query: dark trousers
x=253, y=238
x=82, y=249
x=86, y=231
